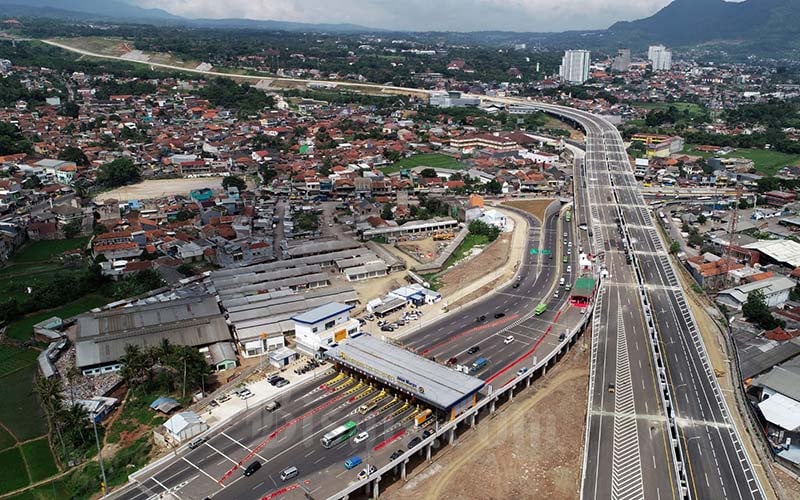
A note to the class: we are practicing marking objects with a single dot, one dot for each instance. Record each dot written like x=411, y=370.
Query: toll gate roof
x=427, y=380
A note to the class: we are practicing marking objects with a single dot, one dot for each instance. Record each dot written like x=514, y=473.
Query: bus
x=339, y=434
x=540, y=309
x=568, y=216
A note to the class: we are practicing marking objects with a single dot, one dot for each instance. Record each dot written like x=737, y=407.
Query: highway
x=290, y=436
x=627, y=428
x=717, y=465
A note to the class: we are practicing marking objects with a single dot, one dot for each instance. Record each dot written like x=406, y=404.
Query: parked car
x=452, y=361
x=499, y=315
x=396, y=454
x=281, y=383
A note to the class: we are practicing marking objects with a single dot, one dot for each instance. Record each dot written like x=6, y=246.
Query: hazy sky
x=444, y=15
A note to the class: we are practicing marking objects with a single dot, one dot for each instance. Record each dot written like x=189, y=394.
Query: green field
x=767, y=161
x=40, y=251
x=471, y=241
x=12, y=471
x=23, y=329
x=692, y=108
x=39, y=457
x=433, y=160
x=13, y=359
x=53, y=490
x=6, y=439
x=20, y=411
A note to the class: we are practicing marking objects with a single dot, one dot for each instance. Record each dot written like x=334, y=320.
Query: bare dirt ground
x=376, y=287
x=492, y=257
x=159, y=188
x=532, y=448
x=788, y=483
x=424, y=251
x=574, y=134
x=533, y=207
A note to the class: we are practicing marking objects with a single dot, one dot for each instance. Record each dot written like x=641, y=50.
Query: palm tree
x=48, y=390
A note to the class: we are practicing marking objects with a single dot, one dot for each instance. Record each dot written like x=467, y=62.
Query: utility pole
x=99, y=456
x=184, y=376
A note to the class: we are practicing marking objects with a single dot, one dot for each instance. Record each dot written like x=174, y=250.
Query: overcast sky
x=433, y=15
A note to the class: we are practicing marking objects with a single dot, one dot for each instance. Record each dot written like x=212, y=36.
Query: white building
x=497, y=219
x=660, y=57
x=776, y=292
x=575, y=66
x=323, y=326
x=183, y=426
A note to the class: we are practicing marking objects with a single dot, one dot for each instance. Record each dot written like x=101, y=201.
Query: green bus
x=568, y=216
x=540, y=309
x=339, y=434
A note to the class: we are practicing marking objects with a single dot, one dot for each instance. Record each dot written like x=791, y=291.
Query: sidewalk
x=438, y=311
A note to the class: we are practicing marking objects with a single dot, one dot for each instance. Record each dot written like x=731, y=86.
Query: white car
x=509, y=339
x=569, y=269
x=362, y=436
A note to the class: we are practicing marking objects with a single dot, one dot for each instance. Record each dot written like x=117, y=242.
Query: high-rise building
x=575, y=66
x=622, y=61
x=660, y=57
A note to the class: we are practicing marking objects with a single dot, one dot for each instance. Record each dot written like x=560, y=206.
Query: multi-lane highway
x=291, y=435
x=629, y=450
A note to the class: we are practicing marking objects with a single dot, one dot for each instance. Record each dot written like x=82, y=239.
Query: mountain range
x=759, y=27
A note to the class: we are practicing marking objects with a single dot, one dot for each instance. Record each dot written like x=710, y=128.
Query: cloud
x=424, y=15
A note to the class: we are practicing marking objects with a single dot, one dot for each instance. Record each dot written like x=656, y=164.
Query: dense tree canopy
x=119, y=172
x=12, y=141
x=226, y=93
x=233, y=181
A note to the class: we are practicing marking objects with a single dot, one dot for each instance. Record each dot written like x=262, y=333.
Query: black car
x=387, y=328
x=480, y=318
x=474, y=349
x=417, y=440
x=427, y=433
x=252, y=468
x=397, y=454
x=499, y=315
x=515, y=285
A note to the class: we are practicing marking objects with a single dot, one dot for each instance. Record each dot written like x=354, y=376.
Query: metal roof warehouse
x=431, y=383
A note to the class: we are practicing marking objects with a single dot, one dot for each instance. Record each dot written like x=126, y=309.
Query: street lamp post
x=99, y=455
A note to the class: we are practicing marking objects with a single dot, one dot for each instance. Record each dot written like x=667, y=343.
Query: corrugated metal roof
x=321, y=313
x=429, y=381
x=781, y=411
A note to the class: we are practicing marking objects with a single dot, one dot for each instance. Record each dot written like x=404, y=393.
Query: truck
x=479, y=363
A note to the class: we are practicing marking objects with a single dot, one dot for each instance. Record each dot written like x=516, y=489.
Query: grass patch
x=39, y=457
x=692, y=108
x=6, y=439
x=433, y=160
x=27, y=269
x=470, y=242
x=434, y=281
x=40, y=251
x=767, y=161
x=20, y=411
x=13, y=359
x=12, y=471
x=23, y=329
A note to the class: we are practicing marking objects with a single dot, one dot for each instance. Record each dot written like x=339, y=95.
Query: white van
x=562, y=281
x=288, y=473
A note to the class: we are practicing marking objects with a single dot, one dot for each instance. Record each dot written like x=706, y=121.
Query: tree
x=72, y=229
x=494, y=187
x=701, y=219
x=674, y=247
x=32, y=182
x=481, y=228
x=70, y=109
x=428, y=173
x=755, y=309
x=11, y=140
x=386, y=212
x=119, y=172
x=234, y=181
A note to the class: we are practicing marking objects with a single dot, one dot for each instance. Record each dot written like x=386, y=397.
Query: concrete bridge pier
x=403, y=470
x=376, y=488
x=428, y=452
x=452, y=436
